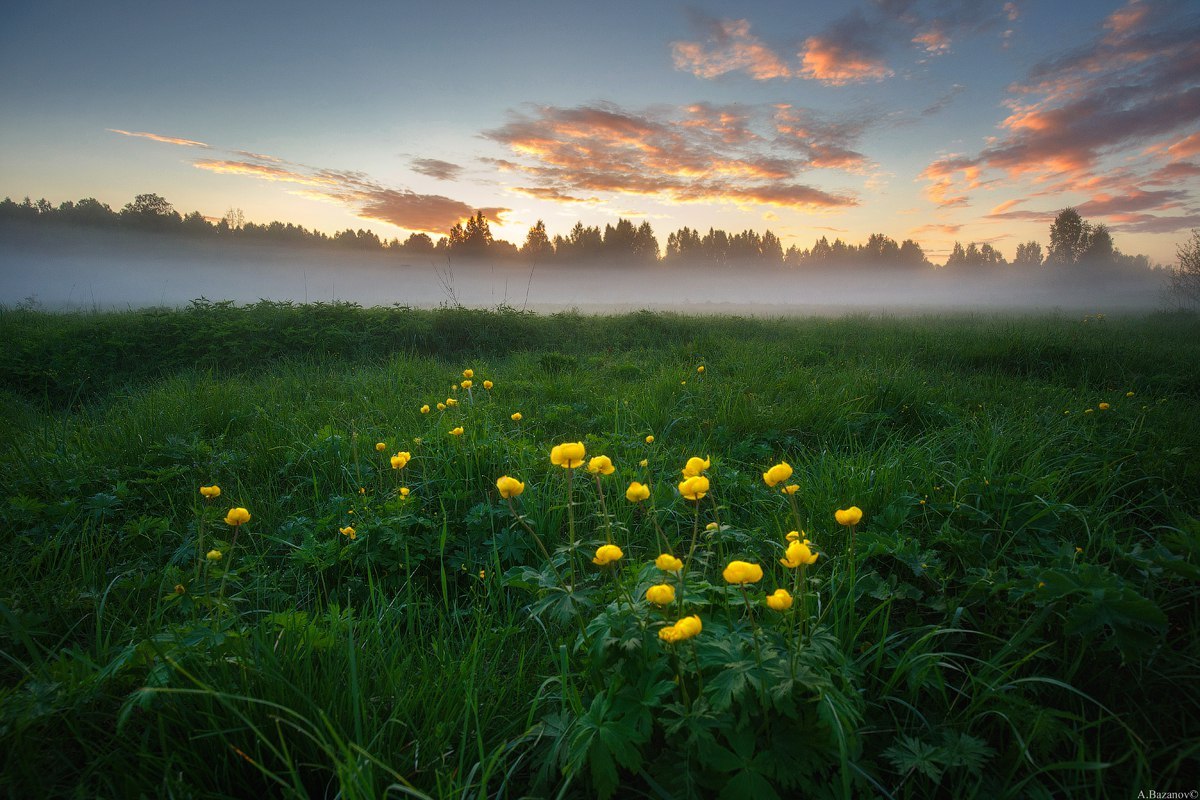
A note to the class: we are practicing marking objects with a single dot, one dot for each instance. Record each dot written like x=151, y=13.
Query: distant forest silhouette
x=1072, y=240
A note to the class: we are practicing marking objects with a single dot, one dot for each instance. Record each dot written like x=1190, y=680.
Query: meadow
x=430, y=598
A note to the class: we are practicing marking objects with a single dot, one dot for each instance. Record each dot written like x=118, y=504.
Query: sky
x=936, y=120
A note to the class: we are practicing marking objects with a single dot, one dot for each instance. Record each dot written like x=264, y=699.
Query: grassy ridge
x=1012, y=560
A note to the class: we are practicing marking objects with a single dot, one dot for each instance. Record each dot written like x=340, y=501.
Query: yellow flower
x=454, y=387
x=425, y=409
x=694, y=488
x=488, y=385
x=601, y=465
x=468, y=373
x=796, y=536
x=777, y=474
x=516, y=417
x=362, y=490
x=348, y=531
x=509, y=487
x=180, y=589
x=700, y=369
x=848, y=516
x=689, y=626
x=210, y=491
x=1089, y=410
x=450, y=401
x=780, y=601
x=380, y=446
x=650, y=439
x=441, y=406
x=695, y=465
x=467, y=384
x=661, y=594
x=400, y=460
x=214, y=555
x=645, y=462
x=237, y=516
x=742, y=572
x=456, y=431
x=669, y=634
x=791, y=488
x=1129, y=394
x=1105, y=406
x=637, y=492
x=405, y=491
x=798, y=553
x=568, y=455
x=712, y=526
x=668, y=563
x=606, y=554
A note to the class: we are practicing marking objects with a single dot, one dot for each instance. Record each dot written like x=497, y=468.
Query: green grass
x=1023, y=620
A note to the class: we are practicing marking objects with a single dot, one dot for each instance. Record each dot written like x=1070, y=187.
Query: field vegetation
x=326, y=551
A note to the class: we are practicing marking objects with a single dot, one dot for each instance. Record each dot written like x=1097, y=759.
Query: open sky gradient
x=937, y=120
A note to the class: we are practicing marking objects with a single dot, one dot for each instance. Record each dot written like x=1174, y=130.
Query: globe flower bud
x=606, y=554
x=668, y=563
x=380, y=446
x=694, y=488
x=777, y=474
x=488, y=385
x=601, y=465
x=425, y=409
x=695, y=465
x=798, y=554
x=210, y=491
x=742, y=572
x=214, y=555
x=516, y=417
x=348, y=532
x=637, y=492
x=400, y=460
x=568, y=455
x=456, y=431
x=848, y=516
x=781, y=600
x=237, y=516
x=468, y=373
x=509, y=487
x=661, y=594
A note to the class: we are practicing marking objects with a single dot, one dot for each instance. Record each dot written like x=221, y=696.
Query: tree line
x=1072, y=240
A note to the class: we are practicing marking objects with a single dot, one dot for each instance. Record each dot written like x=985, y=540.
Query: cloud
x=747, y=155
x=851, y=50
x=154, y=137
x=946, y=228
x=730, y=47
x=944, y=101
x=436, y=168
x=934, y=41
x=1134, y=83
x=552, y=193
x=261, y=171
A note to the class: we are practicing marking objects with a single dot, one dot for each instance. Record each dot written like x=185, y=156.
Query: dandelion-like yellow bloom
x=700, y=369
x=180, y=589
x=606, y=554
x=568, y=455
x=791, y=488
x=405, y=491
x=348, y=532
x=467, y=384
x=509, y=487
x=380, y=446
x=425, y=409
x=468, y=373
x=637, y=492
x=797, y=554
x=777, y=474
x=645, y=462
x=742, y=572
x=214, y=555
x=661, y=594
x=650, y=439
x=237, y=516
x=516, y=416
x=669, y=634
x=1105, y=406
x=668, y=563
x=1129, y=394
x=441, y=406
x=781, y=600
x=848, y=516
x=400, y=460
x=601, y=465
x=695, y=465
x=712, y=526
x=456, y=431
x=210, y=491
x=796, y=536
x=488, y=385
x=694, y=488
x=450, y=401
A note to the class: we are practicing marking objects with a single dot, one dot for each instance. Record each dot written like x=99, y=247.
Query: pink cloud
x=730, y=47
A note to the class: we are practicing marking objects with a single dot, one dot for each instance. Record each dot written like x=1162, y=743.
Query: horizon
x=938, y=122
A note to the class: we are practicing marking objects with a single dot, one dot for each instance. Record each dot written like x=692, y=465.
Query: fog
x=61, y=269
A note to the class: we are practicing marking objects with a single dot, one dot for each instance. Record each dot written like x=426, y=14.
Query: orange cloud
x=694, y=154
x=730, y=48
x=830, y=63
x=154, y=137
x=436, y=168
x=935, y=42
x=262, y=171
